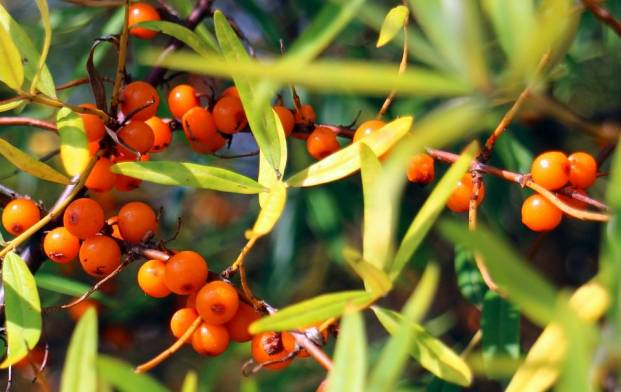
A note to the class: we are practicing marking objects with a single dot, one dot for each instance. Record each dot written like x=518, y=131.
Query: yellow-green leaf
x=30, y=165
x=121, y=375
x=10, y=105
x=11, y=67
x=79, y=372
x=200, y=44
x=350, y=357
x=393, y=22
x=73, y=142
x=267, y=174
x=272, y=209
x=22, y=309
x=346, y=161
x=190, y=382
x=375, y=280
x=47, y=40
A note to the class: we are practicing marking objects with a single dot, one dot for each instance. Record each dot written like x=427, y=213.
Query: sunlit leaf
x=74, y=153
x=310, y=311
x=500, y=325
x=190, y=382
x=202, y=46
x=268, y=175
x=375, y=280
x=66, y=286
x=47, y=41
x=79, y=372
x=189, y=174
x=350, y=359
x=122, y=377
x=11, y=68
x=424, y=294
x=30, y=165
x=393, y=23
x=512, y=21
x=22, y=309
x=273, y=207
x=10, y=105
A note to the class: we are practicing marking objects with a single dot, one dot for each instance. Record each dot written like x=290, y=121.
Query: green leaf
x=375, y=280
x=522, y=285
x=190, y=382
x=394, y=21
x=30, y=165
x=202, y=45
x=79, y=374
x=469, y=279
x=11, y=68
x=47, y=41
x=350, y=359
x=267, y=175
x=62, y=285
x=273, y=207
x=347, y=160
x=500, y=325
x=122, y=377
x=423, y=295
x=189, y=174
x=10, y=105
x=512, y=21
x=310, y=311
x=430, y=211
x=430, y=352
x=22, y=308
x=74, y=153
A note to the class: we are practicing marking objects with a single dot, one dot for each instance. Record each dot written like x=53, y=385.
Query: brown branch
x=27, y=121
x=96, y=3
x=603, y=15
x=120, y=66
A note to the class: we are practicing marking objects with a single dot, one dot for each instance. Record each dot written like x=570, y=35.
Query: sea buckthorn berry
x=367, y=128
x=118, y=337
x=185, y=272
x=181, y=320
x=142, y=12
x=321, y=143
x=421, y=169
x=269, y=346
x=238, y=325
x=230, y=92
x=136, y=219
x=200, y=129
x=19, y=215
x=137, y=135
x=151, y=279
x=60, y=245
x=126, y=183
x=101, y=179
x=286, y=119
x=305, y=115
x=140, y=100
x=460, y=198
x=76, y=311
x=93, y=147
x=575, y=203
x=93, y=126
x=83, y=218
x=162, y=135
x=539, y=214
x=214, y=339
x=99, y=255
x=190, y=301
x=550, y=170
x=289, y=343
x=181, y=99
x=217, y=302
x=35, y=356
x=582, y=169
x=229, y=116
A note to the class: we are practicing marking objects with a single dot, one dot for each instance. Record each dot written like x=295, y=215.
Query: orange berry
x=286, y=119
x=190, y=301
x=93, y=126
x=126, y=183
x=93, y=147
x=200, y=129
x=306, y=114
x=230, y=92
x=83, y=218
x=181, y=320
x=134, y=99
x=289, y=343
x=101, y=179
x=229, y=115
x=367, y=128
x=151, y=279
x=136, y=219
x=19, y=215
x=421, y=169
x=142, y=12
x=76, y=311
x=538, y=214
x=217, y=302
x=35, y=356
x=137, y=135
x=460, y=198
x=99, y=255
x=214, y=339
x=582, y=169
x=321, y=143
x=550, y=170
x=181, y=99
x=268, y=346
x=162, y=135
x=118, y=337
x=238, y=325
x=185, y=272
x=60, y=245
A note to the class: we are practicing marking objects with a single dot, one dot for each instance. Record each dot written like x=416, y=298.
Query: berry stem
x=27, y=121
x=120, y=67
x=603, y=15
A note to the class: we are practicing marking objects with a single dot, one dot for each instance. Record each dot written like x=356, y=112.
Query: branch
x=603, y=15
x=27, y=121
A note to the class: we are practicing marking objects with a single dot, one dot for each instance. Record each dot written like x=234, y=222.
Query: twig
x=72, y=83
x=97, y=3
x=476, y=339
x=27, y=121
x=244, y=155
x=603, y=15
x=120, y=67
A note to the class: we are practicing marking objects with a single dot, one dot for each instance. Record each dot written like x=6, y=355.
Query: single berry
x=93, y=126
x=230, y=92
x=126, y=183
x=367, y=128
x=229, y=116
x=268, y=346
x=137, y=135
x=118, y=337
x=19, y=215
x=93, y=147
x=140, y=100
x=76, y=311
x=83, y=218
x=185, y=272
x=200, y=129
x=142, y=12
x=538, y=214
x=100, y=255
x=136, y=219
x=550, y=170
x=459, y=201
x=181, y=99
x=286, y=119
x=60, y=245
x=214, y=339
x=421, y=169
x=582, y=169
x=151, y=279
x=290, y=344
x=35, y=356
x=306, y=115
x=238, y=325
x=217, y=302
x=181, y=320
x=101, y=179
x=190, y=301
x=162, y=135
x=321, y=143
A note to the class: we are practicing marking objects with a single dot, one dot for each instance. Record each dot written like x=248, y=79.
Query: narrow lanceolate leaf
x=267, y=175
x=469, y=279
x=47, y=41
x=22, y=309
x=273, y=207
x=431, y=209
x=190, y=382
x=122, y=377
x=500, y=325
x=204, y=47
x=10, y=105
x=512, y=21
x=79, y=374
x=430, y=352
x=347, y=161
x=11, y=68
x=425, y=292
x=350, y=359
x=393, y=23
x=30, y=165
x=310, y=311
x=189, y=174
x=73, y=142
x=375, y=280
